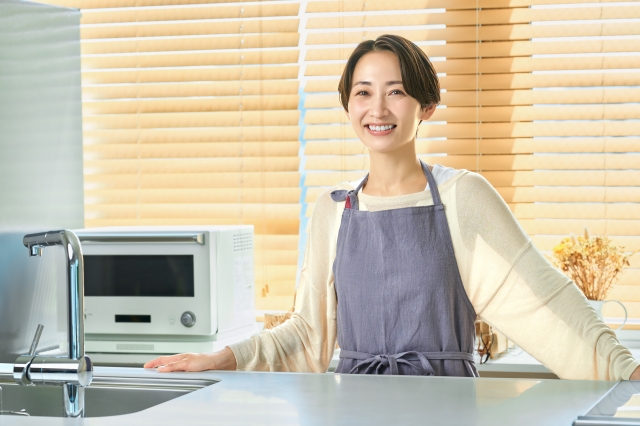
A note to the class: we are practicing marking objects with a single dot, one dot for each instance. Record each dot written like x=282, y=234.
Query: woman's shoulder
x=473, y=181
x=326, y=203
x=326, y=212
x=446, y=177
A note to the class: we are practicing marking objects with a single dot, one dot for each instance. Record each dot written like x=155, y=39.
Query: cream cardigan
x=509, y=282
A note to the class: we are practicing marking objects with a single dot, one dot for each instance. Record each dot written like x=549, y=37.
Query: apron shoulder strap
x=433, y=187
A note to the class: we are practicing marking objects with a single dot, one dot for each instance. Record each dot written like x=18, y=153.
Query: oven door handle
x=114, y=237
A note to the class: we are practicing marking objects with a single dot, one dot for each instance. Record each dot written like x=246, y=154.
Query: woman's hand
x=636, y=374
x=221, y=360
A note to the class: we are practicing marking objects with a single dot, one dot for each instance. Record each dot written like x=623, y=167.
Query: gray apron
x=402, y=308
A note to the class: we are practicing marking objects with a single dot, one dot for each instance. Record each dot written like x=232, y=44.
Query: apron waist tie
x=376, y=362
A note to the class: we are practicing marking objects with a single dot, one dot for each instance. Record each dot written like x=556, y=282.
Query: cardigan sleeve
x=519, y=292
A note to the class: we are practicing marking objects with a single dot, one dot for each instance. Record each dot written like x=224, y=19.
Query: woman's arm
x=515, y=289
x=306, y=341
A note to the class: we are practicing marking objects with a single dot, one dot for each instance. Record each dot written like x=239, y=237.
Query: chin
x=381, y=147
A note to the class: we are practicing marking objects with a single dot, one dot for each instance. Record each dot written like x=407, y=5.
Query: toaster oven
x=167, y=289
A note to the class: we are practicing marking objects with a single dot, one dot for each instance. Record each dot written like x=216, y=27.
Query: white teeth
x=381, y=128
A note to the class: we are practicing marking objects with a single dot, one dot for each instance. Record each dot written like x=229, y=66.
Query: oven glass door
x=139, y=275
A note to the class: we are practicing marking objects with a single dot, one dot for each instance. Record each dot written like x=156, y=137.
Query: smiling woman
x=400, y=263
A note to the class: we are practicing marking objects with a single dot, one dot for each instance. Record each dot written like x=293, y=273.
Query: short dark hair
x=419, y=78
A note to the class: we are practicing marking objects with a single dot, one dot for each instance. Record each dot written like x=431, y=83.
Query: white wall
x=41, y=185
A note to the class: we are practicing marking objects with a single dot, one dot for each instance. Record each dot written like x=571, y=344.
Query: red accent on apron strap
x=347, y=204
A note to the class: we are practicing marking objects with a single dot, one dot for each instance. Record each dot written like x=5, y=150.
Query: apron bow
x=377, y=362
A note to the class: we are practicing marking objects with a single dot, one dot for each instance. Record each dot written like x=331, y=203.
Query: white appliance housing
x=167, y=289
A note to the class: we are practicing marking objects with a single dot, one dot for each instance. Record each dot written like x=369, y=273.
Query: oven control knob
x=188, y=319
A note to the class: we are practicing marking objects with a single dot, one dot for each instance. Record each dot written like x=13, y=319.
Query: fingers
x=182, y=365
x=183, y=362
x=164, y=360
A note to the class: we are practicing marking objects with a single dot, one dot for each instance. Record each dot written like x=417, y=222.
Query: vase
x=598, y=304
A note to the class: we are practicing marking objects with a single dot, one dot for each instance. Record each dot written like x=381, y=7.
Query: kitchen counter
x=254, y=398
x=514, y=363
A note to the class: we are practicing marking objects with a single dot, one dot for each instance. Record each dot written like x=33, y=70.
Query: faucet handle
x=36, y=339
x=23, y=363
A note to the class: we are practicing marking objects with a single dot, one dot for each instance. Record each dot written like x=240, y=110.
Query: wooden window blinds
x=211, y=111
x=539, y=96
x=190, y=116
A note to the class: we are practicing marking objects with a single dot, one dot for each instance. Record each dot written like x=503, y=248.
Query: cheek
x=411, y=115
x=355, y=112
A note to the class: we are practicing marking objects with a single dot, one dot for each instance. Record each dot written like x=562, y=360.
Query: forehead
x=377, y=67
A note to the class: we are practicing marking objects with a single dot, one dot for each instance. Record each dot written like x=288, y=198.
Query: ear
x=428, y=112
x=347, y=114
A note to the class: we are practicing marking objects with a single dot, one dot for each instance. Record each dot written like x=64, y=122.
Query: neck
x=395, y=173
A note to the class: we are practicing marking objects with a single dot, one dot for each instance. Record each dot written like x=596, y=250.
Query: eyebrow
x=368, y=83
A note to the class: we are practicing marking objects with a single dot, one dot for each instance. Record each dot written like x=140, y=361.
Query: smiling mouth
x=380, y=128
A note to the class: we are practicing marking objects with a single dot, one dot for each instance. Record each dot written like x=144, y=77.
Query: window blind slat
x=575, y=195
x=106, y=16
x=504, y=16
x=107, y=4
x=617, y=211
x=207, y=180
x=126, y=92
x=195, y=196
x=240, y=57
x=328, y=6
x=470, y=33
x=185, y=165
x=230, y=41
x=592, y=178
x=494, y=162
x=379, y=5
x=489, y=146
x=181, y=28
x=234, y=73
x=596, y=227
x=211, y=134
x=175, y=105
x=237, y=211
x=192, y=119
x=265, y=150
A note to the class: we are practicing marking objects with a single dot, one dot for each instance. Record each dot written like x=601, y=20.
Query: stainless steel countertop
x=254, y=398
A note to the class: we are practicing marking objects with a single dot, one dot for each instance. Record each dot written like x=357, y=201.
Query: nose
x=378, y=107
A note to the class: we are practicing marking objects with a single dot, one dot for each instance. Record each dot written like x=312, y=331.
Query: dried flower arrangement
x=591, y=262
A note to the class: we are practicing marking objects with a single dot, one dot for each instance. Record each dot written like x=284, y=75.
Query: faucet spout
x=75, y=280
x=76, y=372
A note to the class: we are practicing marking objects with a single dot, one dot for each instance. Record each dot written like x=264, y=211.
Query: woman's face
x=381, y=112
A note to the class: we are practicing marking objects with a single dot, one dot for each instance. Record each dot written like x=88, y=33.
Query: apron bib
x=402, y=308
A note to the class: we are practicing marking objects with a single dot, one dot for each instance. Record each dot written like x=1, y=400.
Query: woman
x=399, y=265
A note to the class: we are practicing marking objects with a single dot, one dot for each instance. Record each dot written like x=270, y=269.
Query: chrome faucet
x=75, y=372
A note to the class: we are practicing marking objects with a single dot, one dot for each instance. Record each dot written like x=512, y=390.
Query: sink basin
x=106, y=396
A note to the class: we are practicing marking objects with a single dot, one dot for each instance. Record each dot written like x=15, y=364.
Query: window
x=227, y=112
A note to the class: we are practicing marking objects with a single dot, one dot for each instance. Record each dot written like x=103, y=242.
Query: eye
x=361, y=93
x=397, y=92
